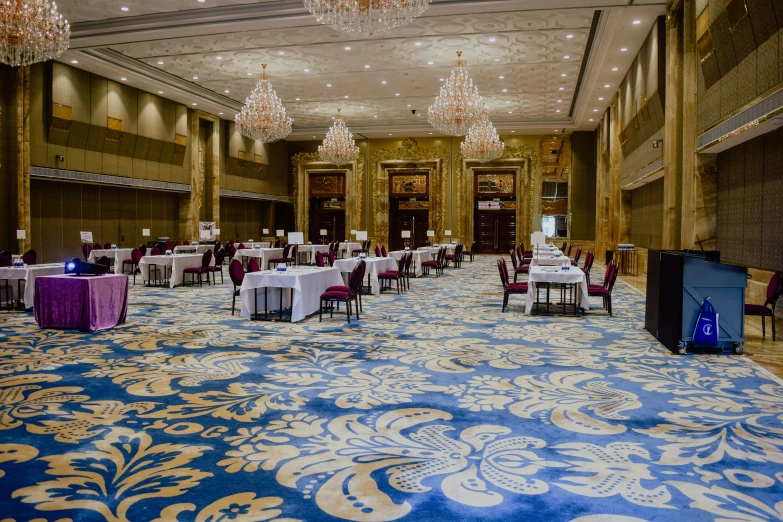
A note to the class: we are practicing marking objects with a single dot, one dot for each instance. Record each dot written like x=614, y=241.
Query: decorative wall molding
x=104, y=179
x=644, y=175
x=239, y=194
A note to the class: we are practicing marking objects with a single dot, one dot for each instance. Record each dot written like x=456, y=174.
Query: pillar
x=689, y=161
x=618, y=215
x=23, y=156
x=673, y=127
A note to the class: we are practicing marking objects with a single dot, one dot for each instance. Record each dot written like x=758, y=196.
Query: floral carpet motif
x=434, y=406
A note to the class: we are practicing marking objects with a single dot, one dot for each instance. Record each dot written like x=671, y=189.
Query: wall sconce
x=657, y=143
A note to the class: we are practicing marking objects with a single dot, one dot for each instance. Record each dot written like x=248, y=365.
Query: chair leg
x=321, y=311
x=773, y=327
x=609, y=302
x=764, y=326
x=348, y=310
x=357, y=308
x=505, y=301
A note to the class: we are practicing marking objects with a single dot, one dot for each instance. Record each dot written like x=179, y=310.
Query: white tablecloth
x=29, y=274
x=375, y=265
x=117, y=256
x=263, y=255
x=547, y=260
x=310, y=250
x=418, y=257
x=308, y=284
x=546, y=275
x=434, y=250
x=193, y=249
x=177, y=262
x=347, y=248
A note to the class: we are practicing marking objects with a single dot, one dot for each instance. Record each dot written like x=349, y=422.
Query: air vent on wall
x=254, y=195
x=103, y=179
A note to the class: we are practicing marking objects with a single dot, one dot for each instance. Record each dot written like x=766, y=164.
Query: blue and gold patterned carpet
x=433, y=407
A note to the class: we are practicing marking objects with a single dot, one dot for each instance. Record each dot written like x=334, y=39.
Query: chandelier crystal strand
x=339, y=147
x=31, y=31
x=458, y=106
x=482, y=143
x=366, y=17
x=263, y=116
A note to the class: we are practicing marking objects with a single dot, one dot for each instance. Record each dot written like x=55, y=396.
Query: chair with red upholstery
x=220, y=256
x=186, y=243
x=575, y=260
x=524, y=253
x=105, y=261
x=568, y=252
x=565, y=245
x=356, y=251
x=319, y=259
x=5, y=287
x=136, y=256
x=455, y=257
x=589, y=257
x=383, y=251
x=253, y=266
x=605, y=290
x=523, y=259
x=237, y=275
x=143, y=249
x=774, y=289
x=395, y=275
x=332, y=257
x=178, y=243
x=86, y=249
x=426, y=266
x=97, y=246
x=518, y=269
x=241, y=246
x=509, y=288
x=107, y=246
x=377, y=251
x=330, y=297
x=199, y=271
x=282, y=259
x=470, y=252
x=30, y=257
x=293, y=254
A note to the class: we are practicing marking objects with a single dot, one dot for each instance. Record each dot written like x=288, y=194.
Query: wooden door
x=333, y=221
x=417, y=221
x=494, y=231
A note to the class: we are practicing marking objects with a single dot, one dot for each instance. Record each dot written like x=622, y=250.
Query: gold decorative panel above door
x=494, y=184
x=409, y=185
x=331, y=185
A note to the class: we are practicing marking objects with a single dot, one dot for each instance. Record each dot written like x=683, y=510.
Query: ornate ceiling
x=540, y=55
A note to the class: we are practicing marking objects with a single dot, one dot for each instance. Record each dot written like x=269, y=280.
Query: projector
x=625, y=246
x=79, y=267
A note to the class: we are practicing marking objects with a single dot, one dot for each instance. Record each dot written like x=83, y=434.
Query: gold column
x=673, y=127
x=689, y=78
x=615, y=163
x=23, y=155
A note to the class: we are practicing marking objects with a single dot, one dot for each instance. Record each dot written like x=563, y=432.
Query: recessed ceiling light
x=600, y=98
x=418, y=115
x=418, y=44
x=555, y=130
x=441, y=80
x=491, y=39
x=218, y=57
x=366, y=66
x=563, y=75
x=566, y=57
x=569, y=36
x=313, y=136
x=637, y=22
x=505, y=90
x=591, y=119
x=384, y=82
x=297, y=99
x=508, y=102
x=390, y=134
x=606, y=86
x=375, y=116
x=160, y=62
x=316, y=110
x=510, y=112
x=430, y=133
x=561, y=88
x=328, y=84
x=497, y=59
x=195, y=77
x=558, y=110
x=623, y=49
x=614, y=68
x=123, y=8
x=220, y=114
x=124, y=79
x=160, y=92
x=346, y=97
x=513, y=131
x=202, y=1
x=194, y=104
x=307, y=70
x=595, y=110
x=559, y=101
x=74, y=61
x=281, y=52
x=347, y=47
x=501, y=77
x=409, y=105
x=250, y=74
x=360, y=106
x=396, y=94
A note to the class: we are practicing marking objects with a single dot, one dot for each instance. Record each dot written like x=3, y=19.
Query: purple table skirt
x=86, y=303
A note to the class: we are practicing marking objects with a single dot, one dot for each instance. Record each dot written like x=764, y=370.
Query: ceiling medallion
x=366, y=17
x=482, y=143
x=339, y=147
x=31, y=31
x=458, y=106
x=263, y=116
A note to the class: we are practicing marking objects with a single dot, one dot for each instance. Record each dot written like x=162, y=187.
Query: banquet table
x=86, y=303
x=540, y=274
x=305, y=284
x=28, y=275
x=193, y=249
x=418, y=257
x=346, y=248
x=433, y=250
x=549, y=260
x=311, y=250
x=375, y=265
x=118, y=255
x=263, y=255
x=176, y=262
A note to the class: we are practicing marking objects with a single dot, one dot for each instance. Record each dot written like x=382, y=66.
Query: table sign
x=21, y=234
x=86, y=237
x=265, y=231
x=353, y=232
x=204, y=234
x=447, y=233
x=430, y=233
x=217, y=231
x=145, y=232
x=280, y=233
x=296, y=238
x=406, y=234
x=361, y=235
x=323, y=231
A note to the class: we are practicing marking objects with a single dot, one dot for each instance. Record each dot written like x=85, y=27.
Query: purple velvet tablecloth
x=86, y=303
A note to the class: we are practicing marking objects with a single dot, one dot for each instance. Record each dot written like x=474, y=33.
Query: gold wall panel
x=488, y=184
x=408, y=184
x=327, y=185
x=334, y=205
x=113, y=129
x=414, y=205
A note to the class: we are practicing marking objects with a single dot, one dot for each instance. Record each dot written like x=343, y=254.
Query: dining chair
x=605, y=291
x=282, y=259
x=97, y=246
x=5, y=287
x=107, y=246
x=366, y=249
x=198, y=270
x=589, y=257
x=565, y=245
x=220, y=256
x=332, y=257
x=319, y=259
x=470, y=252
x=509, y=288
x=237, y=274
x=383, y=251
x=378, y=251
x=30, y=257
x=252, y=265
x=86, y=249
x=575, y=260
x=356, y=251
x=774, y=289
x=354, y=290
x=394, y=275
x=518, y=269
x=135, y=257
x=186, y=242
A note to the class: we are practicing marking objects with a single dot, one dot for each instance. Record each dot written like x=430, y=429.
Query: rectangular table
x=346, y=248
x=574, y=276
x=418, y=257
x=176, y=262
x=118, y=255
x=310, y=250
x=375, y=265
x=262, y=254
x=15, y=276
x=86, y=303
x=307, y=283
x=549, y=260
x=192, y=249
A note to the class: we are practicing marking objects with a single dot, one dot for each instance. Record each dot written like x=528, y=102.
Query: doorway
x=495, y=231
x=324, y=216
x=407, y=219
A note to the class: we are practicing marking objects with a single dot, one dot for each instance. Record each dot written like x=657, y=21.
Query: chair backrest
x=332, y=257
x=6, y=253
x=186, y=242
x=357, y=276
x=220, y=256
x=568, y=253
x=578, y=254
x=107, y=246
x=136, y=255
x=178, y=243
x=613, y=276
x=473, y=247
x=442, y=255
x=97, y=246
x=236, y=272
x=169, y=245
x=607, y=273
x=143, y=249
x=233, y=249
x=377, y=251
x=241, y=246
x=294, y=250
x=105, y=261
x=458, y=250
x=513, y=259
x=31, y=252
x=774, y=289
x=319, y=259
x=6, y=261
x=86, y=249
x=503, y=270
x=383, y=251
x=589, y=261
x=252, y=265
x=286, y=250
x=206, y=258
x=277, y=243
x=155, y=251
x=367, y=248
x=29, y=259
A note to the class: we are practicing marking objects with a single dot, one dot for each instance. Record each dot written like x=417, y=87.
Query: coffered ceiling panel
x=86, y=10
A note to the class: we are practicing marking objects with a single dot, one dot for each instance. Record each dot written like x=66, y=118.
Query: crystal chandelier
x=458, y=106
x=263, y=116
x=338, y=147
x=482, y=143
x=366, y=17
x=31, y=31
